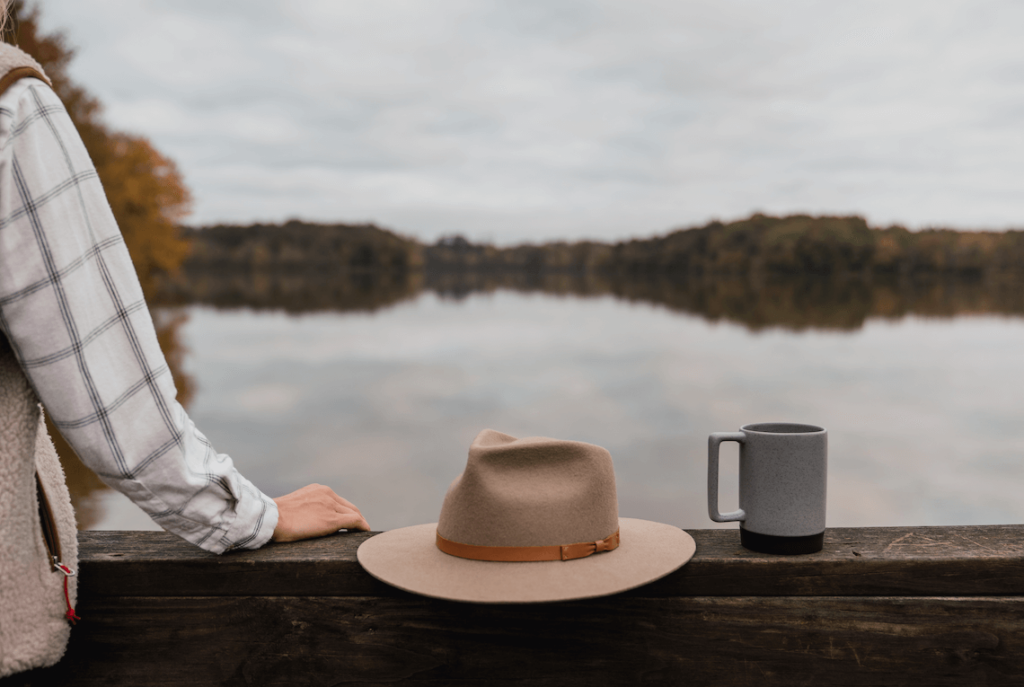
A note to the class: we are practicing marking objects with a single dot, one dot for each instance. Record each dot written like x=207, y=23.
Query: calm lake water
x=924, y=415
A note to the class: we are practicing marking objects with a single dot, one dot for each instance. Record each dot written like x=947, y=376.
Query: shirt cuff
x=254, y=522
x=248, y=523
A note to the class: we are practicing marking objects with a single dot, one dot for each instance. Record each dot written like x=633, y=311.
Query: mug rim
x=796, y=428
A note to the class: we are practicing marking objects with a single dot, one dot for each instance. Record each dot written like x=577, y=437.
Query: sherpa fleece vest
x=37, y=521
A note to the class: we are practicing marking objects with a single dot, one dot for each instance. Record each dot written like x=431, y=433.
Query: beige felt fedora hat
x=528, y=520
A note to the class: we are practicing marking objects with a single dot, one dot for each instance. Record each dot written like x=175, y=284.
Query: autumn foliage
x=146, y=192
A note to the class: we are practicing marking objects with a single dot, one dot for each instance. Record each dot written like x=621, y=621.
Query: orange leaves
x=146, y=192
x=148, y=197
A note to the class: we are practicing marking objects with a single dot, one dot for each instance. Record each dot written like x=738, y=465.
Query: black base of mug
x=786, y=546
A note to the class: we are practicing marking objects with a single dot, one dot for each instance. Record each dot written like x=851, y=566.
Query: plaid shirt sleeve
x=73, y=310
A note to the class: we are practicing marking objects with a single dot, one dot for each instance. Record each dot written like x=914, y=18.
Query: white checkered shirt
x=73, y=310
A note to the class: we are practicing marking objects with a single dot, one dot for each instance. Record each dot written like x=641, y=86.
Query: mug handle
x=714, y=441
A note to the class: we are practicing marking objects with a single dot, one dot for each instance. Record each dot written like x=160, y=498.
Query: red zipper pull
x=67, y=572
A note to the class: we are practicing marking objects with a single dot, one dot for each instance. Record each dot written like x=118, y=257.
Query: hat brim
x=408, y=558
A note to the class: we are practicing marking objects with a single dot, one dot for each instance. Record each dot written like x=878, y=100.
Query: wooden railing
x=881, y=606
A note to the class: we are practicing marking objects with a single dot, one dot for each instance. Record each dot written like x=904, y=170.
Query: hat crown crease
x=534, y=491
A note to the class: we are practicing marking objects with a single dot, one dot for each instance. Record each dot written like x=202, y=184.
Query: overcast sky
x=562, y=119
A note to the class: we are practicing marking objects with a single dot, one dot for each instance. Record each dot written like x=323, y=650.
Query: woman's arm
x=73, y=310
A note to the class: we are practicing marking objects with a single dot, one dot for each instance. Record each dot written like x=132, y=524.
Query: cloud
x=563, y=119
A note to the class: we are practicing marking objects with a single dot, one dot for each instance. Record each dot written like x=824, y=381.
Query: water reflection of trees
x=842, y=302
x=757, y=301
x=293, y=291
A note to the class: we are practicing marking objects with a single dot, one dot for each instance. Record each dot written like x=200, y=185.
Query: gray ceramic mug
x=783, y=469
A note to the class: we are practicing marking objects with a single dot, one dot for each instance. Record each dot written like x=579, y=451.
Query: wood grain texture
x=879, y=606
x=888, y=561
x=755, y=641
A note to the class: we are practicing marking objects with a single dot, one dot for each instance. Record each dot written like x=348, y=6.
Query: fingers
x=345, y=505
x=319, y=490
x=350, y=516
x=352, y=521
x=345, y=502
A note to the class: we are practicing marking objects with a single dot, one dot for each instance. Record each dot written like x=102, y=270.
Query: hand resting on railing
x=315, y=511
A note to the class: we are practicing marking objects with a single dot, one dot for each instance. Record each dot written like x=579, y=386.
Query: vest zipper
x=52, y=540
x=49, y=526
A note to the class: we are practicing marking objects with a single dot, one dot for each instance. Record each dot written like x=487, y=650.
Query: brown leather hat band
x=528, y=553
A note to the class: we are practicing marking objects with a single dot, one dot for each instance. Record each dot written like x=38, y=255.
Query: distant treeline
x=795, y=272
x=800, y=244
x=300, y=246
x=797, y=244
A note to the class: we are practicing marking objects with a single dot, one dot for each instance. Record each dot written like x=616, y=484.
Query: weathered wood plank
x=901, y=561
x=739, y=641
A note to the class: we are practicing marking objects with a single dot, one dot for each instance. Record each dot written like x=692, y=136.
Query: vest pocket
x=49, y=525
